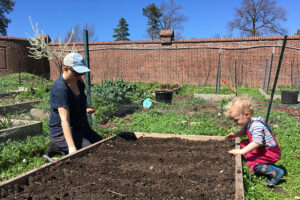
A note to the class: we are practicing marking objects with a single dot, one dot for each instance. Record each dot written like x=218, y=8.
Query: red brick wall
x=193, y=61
x=14, y=57
x=184, y=61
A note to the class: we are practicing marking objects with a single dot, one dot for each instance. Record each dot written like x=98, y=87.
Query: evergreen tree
x=121, y=33
x=5, y=7
x=153, y=13
x=167, y=17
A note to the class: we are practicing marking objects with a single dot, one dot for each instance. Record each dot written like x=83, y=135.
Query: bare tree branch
x=259, y=17
x=40, y=47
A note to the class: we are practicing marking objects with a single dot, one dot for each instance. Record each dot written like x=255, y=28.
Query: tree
x=5, y=7
x=40, y=49
x=171, y=18
x=121, y=33
x=259, y=17
x=153, y=13
x=164, y=18
x=78, y=33
x=298, y=32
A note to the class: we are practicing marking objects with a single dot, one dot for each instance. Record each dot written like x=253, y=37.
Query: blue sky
x=206, y=18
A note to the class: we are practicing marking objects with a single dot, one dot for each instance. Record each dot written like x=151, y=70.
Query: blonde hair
x=240, y=105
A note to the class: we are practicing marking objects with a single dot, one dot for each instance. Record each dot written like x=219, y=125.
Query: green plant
x=19, y=157
x=117, y=92
x=6, y=122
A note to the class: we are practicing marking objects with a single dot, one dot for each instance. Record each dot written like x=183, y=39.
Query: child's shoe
x=272, y=173
x=276, y=175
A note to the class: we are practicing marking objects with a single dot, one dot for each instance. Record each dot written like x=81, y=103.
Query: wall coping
x=203, y=40
x=237, y=39
x=12, y=38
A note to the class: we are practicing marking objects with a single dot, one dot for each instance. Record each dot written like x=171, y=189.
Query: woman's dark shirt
x=62, y=96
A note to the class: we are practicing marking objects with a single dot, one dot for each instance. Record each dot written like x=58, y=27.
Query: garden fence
x=21, y=96
x=237, y=63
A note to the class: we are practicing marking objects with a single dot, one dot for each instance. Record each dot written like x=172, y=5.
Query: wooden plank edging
x=239, y=183
x=187, y=137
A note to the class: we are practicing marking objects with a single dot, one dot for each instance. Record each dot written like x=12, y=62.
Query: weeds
x=6, y=122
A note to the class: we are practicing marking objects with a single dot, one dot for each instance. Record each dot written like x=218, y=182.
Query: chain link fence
x=23, y=106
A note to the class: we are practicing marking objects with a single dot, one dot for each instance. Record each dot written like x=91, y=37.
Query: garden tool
x=47, y=158
x=229, y=87
x=272, y=173
x=147, y=103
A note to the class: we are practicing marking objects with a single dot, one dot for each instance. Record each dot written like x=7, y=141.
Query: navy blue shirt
x=62, y=96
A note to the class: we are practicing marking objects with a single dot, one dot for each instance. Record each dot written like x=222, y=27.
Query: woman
x=69, y=128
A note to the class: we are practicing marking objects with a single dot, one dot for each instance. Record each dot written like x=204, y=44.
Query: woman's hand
x=90, y=110
x=230, y=135
x=72, y=150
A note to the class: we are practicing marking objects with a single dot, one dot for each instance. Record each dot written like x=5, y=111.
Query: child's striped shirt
x=260, y=132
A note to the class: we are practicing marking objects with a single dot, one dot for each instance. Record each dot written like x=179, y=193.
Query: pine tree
x=121, y=33
x=153, y=13
x=5, y=7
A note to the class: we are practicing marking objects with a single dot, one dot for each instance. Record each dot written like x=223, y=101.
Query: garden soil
x=147, y=168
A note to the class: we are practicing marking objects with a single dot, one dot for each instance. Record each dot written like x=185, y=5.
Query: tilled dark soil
x=146, y=168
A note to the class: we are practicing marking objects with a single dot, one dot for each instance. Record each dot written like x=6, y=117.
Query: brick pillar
x=166, y=37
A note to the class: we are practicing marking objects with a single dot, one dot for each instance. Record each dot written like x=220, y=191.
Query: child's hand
x=90, y=110
x=230, y=135
x=236, y=152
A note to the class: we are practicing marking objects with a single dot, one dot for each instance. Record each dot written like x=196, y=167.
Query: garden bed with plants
x=130, y=168
x=18, y=129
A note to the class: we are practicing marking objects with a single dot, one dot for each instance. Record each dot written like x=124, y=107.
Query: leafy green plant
x=19, y=157
x=117, y=92
x=6, y=122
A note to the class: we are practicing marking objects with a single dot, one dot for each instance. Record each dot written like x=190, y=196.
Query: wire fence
x=22, y=94
x=240, y=63
x=23, y=106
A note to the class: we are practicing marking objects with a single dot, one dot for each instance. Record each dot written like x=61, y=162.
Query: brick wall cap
x=110, y=42
x=166, y=33
x=12, y=38
x=46, y=37
x=235, y=39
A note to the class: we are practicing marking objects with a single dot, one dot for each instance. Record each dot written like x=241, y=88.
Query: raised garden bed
x=137, y=166
x=20, y=130
x=10, y=93
x=11, y=108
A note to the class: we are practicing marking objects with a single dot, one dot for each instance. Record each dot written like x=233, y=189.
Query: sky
x=206, y=18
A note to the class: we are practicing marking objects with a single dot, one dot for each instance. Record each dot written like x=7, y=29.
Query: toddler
x=261, y=149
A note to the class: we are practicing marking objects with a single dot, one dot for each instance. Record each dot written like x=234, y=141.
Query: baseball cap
x=77, y=63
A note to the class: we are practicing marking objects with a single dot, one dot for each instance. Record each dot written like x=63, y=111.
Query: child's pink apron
x=261, y=155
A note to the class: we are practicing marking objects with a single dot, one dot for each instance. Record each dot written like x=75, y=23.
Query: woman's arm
x=64, y=115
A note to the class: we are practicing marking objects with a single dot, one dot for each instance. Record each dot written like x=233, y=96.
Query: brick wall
x=14, y=57
x=191, y=61
x=184, y=61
